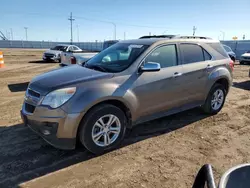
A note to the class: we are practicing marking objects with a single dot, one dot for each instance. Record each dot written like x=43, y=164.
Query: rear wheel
x=215, y=99
x=103, y=128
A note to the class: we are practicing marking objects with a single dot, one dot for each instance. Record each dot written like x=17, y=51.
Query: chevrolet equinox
x=131, y=82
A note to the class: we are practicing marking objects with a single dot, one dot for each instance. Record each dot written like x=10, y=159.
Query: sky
x=96, y=19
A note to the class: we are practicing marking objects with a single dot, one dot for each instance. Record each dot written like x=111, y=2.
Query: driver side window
x=165, y=55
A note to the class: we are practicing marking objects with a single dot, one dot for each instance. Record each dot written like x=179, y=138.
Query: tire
x=88, y=128
x=242, y=62
x=208, y=108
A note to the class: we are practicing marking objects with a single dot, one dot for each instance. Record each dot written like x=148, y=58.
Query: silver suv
x=128, y=83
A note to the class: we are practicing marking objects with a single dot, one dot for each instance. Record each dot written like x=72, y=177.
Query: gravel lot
x=163, y=153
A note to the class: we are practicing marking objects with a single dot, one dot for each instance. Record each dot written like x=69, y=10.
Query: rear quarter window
x=218, y=47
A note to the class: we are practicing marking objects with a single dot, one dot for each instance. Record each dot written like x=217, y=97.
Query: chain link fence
x=238, y=46
x=91, y=46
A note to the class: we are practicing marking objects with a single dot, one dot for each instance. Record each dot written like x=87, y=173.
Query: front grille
x=48, y=55
x=33, y=93
x=246, y=57
x=29, y=108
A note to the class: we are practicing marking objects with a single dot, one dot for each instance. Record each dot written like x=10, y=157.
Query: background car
x=79, y=57
x=245, y=58
x=54, y=54
x=230, y=52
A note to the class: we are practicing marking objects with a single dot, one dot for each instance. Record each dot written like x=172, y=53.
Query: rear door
x=160, y=91
x=196, y=63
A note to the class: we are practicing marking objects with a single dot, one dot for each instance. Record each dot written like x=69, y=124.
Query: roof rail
x=157, y=36
x=192, y=37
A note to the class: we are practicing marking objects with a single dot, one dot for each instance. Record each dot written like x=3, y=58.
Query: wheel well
x=118, y=104
x=224, y=82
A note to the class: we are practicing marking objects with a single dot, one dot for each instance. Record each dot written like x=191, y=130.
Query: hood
x=53, y=52
x=64, y=77
x=246, y=55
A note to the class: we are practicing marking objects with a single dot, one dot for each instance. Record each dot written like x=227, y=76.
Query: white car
x=245, y=58
x=54, y=54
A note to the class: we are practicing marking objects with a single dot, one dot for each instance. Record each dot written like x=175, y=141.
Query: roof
x=150, y=41
x=143, y=41
x=63, y=44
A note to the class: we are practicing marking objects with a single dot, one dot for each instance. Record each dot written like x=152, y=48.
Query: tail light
x=231, y=64
x=73, y=60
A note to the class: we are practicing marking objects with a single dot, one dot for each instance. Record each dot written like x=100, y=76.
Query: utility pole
x=149, y=34
x=223, y=35
x=26, y=32
x=124, y=35
x=194, y=29
x=77, y=32
x=71, y=22
x=244, y=36
x=11, y=31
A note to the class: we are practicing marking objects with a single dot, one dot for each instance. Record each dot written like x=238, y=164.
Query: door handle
x=177, y=74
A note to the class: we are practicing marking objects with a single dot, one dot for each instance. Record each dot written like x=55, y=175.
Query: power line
x=71, y=22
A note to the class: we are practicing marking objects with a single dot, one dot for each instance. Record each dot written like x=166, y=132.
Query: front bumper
x=55, y=58
x=244, y=59
x=53, y=125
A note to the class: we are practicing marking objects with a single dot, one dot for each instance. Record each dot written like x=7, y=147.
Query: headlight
x=58, y=97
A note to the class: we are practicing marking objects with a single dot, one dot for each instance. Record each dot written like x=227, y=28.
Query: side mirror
x=150, y=67
x=238, y=176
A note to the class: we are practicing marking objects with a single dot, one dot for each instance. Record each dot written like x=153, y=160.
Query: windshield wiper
x=96, y=67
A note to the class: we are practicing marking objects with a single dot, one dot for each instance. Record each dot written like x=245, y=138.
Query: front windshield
x=116, y=58
x=60, y=48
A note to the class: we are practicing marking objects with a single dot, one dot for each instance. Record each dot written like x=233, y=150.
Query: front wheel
x=103, y=128
x=215, y=99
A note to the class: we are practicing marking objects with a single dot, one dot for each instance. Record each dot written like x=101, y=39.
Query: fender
x=94, y=94
x=217, y=74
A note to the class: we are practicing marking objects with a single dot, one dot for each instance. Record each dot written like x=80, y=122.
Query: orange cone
x=1, y=60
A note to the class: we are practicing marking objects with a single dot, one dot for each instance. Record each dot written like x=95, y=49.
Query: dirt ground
x=163, y=153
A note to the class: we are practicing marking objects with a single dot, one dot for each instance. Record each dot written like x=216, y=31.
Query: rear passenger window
x=165, y=55
x=191, y=53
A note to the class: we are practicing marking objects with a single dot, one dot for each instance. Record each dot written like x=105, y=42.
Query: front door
x=162, y=90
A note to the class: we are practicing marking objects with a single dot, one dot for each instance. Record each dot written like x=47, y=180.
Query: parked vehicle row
x=131, y=82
